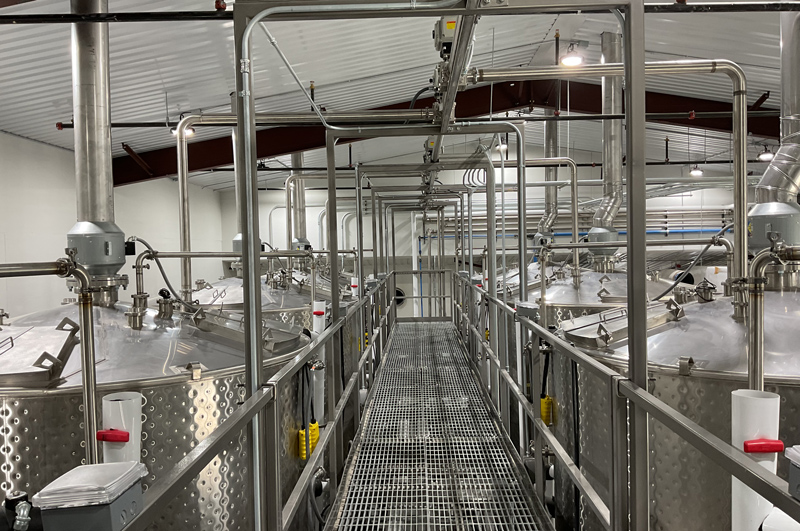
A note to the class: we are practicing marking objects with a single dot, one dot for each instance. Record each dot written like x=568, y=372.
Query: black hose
x=694, y=262
x=419, y=93
x=164, y=273
x=544, y=374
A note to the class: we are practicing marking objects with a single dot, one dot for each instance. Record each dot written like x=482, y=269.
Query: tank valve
x=3, y=315
x=165, y=307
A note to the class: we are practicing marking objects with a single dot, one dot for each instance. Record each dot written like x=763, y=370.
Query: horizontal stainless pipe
x=654, y=243
x=35, y=269
x=64, y=268
x=702, y=66
x=286, y=119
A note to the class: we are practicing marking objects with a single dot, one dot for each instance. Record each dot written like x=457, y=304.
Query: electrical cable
x=154, y=255
x=419, y=93
x=683, y=275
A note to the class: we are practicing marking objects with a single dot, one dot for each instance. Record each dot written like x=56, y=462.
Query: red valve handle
x=353, y=285
x=763, y=446
x=319, y=312
x=113, y=436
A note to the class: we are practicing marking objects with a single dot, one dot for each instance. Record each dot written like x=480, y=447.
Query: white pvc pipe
x=779, y=521
x=318, y=310
x=123, y=412
x=754, y=415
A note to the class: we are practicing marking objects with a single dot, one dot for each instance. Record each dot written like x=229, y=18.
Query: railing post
x=331, y=375
x=536, y=387
x=272, y=468
x=618, y=487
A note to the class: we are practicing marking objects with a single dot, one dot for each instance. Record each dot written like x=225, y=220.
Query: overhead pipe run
x=685, y=67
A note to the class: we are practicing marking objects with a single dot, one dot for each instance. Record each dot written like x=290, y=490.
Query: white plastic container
x=754, y=415
x=123, y=412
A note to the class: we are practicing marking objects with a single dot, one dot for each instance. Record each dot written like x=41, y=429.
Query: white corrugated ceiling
x=161, y=70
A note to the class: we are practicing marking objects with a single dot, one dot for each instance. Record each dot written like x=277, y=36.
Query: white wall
x=149, y=210
x=37, y=209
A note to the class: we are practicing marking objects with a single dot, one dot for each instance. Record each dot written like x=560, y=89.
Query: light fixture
x=572, y=58
x=502, y=146
x=696, y=171
x=188, y=132
x=766, y=155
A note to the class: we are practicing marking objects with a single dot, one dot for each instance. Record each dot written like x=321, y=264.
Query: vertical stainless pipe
x=612, y=136
x=550, y=214
x=440, y=259
x=264, y=503
x=89, y=376
x=471, y=255
x=236, y=163
x=289, y=193
x=394, y=244
x=637, y=258
x=755, y=332
x=374, y=216
x=299, y=210
x=360, y=231
x=381, y=240
x=91, y=96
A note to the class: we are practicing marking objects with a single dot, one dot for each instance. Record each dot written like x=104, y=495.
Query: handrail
x=161, y=494
x=732, y=460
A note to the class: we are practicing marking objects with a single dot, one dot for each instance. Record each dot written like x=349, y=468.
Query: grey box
x=113, y=516
x=794, y=480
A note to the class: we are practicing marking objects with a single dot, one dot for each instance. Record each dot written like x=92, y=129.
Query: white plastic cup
x=754, y=415
x=318, y=310
x=123, y=411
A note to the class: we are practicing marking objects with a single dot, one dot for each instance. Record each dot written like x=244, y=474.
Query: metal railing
x=374, y=313
x=470, y=306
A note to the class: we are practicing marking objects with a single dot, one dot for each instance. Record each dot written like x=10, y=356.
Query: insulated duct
x=299, y=207
x=776, y=194
x=603, y=222
x=98, y=242
x=550, y=214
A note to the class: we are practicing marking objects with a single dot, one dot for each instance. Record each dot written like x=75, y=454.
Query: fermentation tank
x=191, y=374
x=697, y=355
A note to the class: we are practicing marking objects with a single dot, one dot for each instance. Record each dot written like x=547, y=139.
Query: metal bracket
x=244, y=66
x=604, y=335
x=615, y=384
x=675, y=309
x=46, y=356
x=685, y=365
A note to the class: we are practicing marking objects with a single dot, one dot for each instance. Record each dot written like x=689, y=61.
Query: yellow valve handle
x=302, y=443
x=546, y=409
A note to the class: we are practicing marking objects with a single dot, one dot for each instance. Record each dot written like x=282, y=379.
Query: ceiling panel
x=161, y=70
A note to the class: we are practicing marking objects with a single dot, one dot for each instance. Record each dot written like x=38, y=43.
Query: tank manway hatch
x=601, y=329
x=35, y=356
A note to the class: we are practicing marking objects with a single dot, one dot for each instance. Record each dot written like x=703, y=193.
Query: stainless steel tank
x=697, y=356
x=284, y=304
x=191, y=374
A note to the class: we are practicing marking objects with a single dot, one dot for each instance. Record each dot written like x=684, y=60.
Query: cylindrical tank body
x=191, y=378
x=688, y=491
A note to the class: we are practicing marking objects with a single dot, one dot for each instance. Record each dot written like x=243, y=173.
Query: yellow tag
x=451, y=24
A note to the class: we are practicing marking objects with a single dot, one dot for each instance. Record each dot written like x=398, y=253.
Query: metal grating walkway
x=430, y=455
